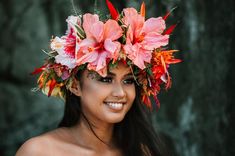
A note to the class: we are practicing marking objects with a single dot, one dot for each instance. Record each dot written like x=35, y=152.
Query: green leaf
x=113, y=65
x=129, y=62
x=80, y=32
x=81, y=67
x=149, y=71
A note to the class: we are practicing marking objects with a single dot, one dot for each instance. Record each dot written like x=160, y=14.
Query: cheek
x=92, y=92
x=131, y=93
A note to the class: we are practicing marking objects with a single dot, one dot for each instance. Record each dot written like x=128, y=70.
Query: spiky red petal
x=170, y=29
x=113, y=12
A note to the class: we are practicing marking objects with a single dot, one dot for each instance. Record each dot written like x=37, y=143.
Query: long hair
x=134, y=135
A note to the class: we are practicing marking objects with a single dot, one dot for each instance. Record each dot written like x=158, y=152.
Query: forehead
x=120, y=69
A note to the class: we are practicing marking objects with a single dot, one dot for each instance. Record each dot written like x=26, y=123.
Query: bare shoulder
x=34, y=146
x=42, y=145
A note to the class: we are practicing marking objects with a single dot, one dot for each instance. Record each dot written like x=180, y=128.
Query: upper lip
x=115, y=102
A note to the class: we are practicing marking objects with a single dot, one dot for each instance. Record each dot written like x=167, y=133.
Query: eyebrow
x=113, y=74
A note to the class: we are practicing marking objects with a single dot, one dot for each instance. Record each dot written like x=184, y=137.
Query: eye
x=106, y=79
x=129, y=81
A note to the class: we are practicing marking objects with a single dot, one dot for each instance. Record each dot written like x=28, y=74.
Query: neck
x=92, y=135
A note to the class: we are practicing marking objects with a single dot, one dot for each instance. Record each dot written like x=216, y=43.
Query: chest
x=70, y=150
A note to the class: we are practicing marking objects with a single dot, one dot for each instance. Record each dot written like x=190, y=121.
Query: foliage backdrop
x=196, y=115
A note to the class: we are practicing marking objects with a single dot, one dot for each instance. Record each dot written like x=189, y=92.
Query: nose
x=118, y=90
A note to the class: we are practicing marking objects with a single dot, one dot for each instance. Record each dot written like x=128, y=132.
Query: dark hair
x=134, y=135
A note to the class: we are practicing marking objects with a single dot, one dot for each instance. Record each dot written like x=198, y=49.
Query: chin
x=115, y=115
x=115, y=118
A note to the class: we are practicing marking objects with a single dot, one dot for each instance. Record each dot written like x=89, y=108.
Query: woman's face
x=107, y=99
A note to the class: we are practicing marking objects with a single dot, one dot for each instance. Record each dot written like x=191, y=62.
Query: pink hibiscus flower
x=143, y=36
x=100, y=44
x=66, y=45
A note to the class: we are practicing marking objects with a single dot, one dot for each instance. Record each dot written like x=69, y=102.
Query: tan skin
x=104, y=101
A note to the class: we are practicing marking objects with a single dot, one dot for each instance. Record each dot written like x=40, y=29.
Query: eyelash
x=105, y=79
x=110, y=79
x=129, y=81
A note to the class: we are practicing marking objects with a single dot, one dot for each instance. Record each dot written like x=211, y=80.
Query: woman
x=105, y=71
x=103, y=116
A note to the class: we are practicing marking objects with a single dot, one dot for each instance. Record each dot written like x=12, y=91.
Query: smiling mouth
x=115, y=105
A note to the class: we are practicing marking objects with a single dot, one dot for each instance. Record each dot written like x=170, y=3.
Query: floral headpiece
x=96, y=45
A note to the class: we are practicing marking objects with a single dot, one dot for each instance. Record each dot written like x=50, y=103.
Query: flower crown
x=97, y=45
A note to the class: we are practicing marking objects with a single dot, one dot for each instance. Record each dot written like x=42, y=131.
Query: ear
x=76, y=88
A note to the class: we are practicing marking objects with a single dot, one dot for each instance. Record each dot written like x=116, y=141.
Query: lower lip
x=115, y=107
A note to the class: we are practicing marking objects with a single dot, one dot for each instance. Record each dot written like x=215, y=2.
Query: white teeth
x=115, y=105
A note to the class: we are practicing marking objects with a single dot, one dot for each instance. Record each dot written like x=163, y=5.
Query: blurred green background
x=196, y=115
